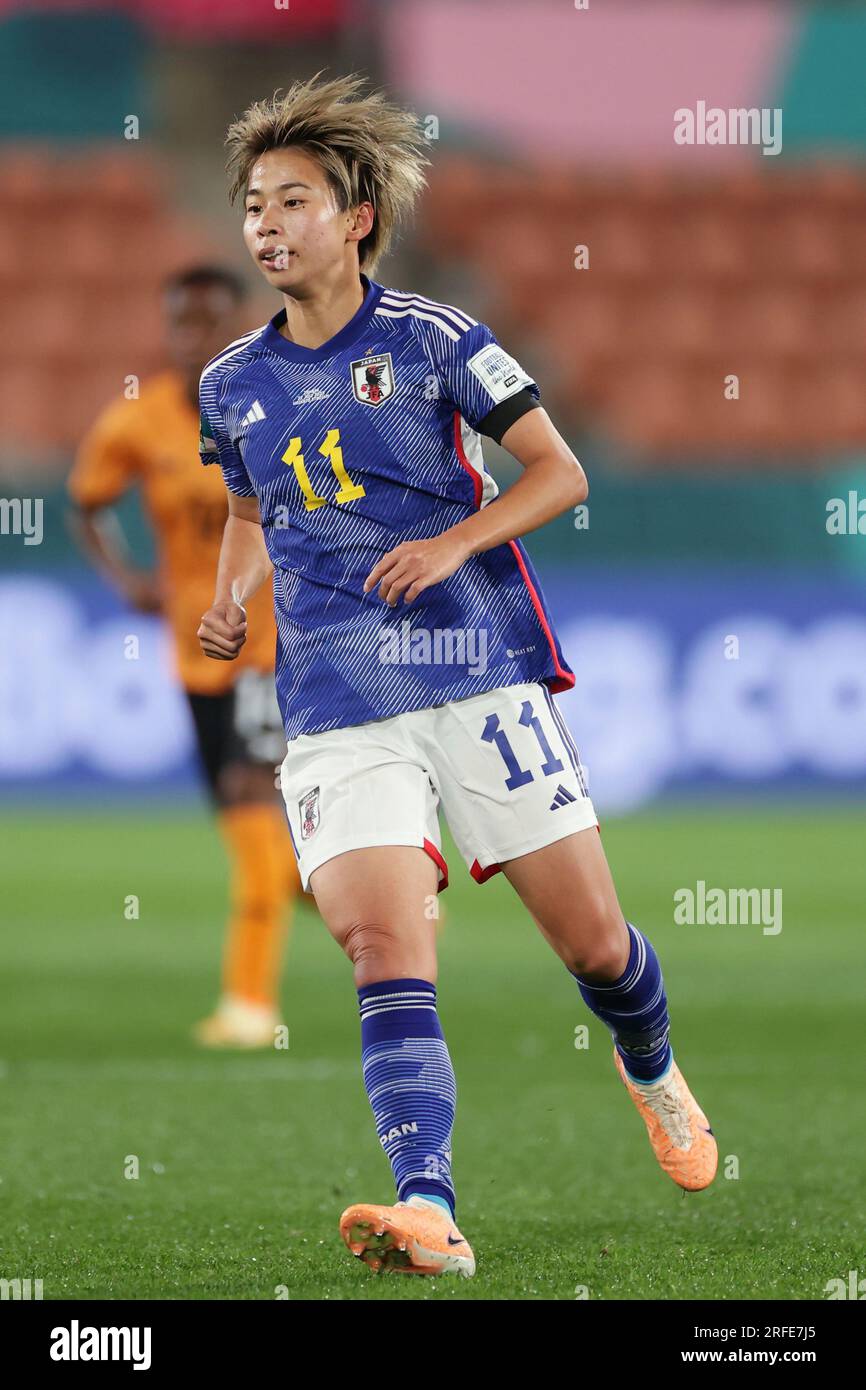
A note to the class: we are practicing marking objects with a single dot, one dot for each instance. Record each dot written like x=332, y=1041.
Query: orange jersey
x=153, y=442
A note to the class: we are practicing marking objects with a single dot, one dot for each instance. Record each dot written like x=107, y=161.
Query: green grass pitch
x=246, y=1160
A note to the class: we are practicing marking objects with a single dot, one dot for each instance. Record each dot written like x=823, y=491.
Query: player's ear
x=361, y=223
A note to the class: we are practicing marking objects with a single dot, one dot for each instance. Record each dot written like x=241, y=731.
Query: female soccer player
x=416, y=660
x=149, y=443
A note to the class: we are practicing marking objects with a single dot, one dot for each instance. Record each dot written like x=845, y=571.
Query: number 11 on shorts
x=493, y=732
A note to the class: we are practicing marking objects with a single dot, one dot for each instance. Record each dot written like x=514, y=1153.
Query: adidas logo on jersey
x=562, y=798
x=254, y=414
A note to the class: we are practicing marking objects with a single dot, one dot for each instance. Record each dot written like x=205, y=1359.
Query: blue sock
x=410, y=1084
x=635, y=1009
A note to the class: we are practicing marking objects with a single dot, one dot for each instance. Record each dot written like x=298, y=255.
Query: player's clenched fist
x=223, y=630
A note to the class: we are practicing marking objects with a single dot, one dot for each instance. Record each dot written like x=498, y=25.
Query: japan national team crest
x=308, y=806
x=373, y=379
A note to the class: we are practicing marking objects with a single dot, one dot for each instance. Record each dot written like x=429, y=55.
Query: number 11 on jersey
x=347, y=491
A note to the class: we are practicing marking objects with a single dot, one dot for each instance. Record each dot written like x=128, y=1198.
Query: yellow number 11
x=347, y=491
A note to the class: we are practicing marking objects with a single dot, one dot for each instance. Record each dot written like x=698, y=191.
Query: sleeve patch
x=498, y=373
x=206, y=443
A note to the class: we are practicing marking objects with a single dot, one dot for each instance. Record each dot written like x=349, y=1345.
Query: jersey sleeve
x=215, y=444
x=477, y=376
x=107, y=462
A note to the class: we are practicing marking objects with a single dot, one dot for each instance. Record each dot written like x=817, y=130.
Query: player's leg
x=620, y=978
x=568, y=889
x=378, y=902
x=374, y=902
x=264, y=884
x=264, y=879
x=521, y=804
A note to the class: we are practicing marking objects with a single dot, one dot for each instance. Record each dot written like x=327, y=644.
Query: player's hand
x=410, y=568
x=143, y=592
x=223, y=630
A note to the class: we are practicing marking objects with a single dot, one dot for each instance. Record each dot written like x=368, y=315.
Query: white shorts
x=503, y=766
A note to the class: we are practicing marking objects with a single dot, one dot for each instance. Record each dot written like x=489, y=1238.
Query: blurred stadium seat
x=83, y=297
x=761, y=274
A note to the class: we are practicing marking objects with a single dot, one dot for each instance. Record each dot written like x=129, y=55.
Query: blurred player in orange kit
x=152, y=442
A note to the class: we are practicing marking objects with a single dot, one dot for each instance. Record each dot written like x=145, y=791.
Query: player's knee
x=370, y=946
x=602, y=953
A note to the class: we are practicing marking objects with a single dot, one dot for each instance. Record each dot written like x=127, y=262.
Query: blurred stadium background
x=551, y=128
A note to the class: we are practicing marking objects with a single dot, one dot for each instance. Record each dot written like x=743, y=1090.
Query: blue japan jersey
x=351, y=448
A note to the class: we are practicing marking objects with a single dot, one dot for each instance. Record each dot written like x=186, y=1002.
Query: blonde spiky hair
x=369, y=149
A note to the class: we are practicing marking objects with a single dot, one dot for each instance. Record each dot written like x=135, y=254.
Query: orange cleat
x=237, y=1023
x=678, y=1129
x=414, y=1237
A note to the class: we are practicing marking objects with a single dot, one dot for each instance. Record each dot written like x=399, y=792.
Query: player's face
x=293, y=228
x=200, y=320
